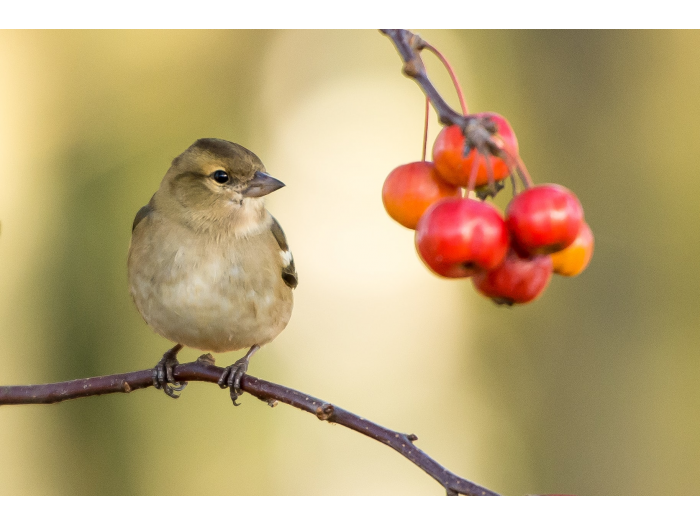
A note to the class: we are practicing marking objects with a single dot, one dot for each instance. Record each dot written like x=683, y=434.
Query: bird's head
x=216, y=184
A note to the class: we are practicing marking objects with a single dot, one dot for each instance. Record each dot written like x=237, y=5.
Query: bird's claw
x=231, y=378
x=163, y=377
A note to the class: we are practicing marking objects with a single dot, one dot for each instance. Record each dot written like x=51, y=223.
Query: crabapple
x=410, y=189
x=544, y=219
x=517, y=280
x=455, y=168
x=458, y=237
x=573, y=260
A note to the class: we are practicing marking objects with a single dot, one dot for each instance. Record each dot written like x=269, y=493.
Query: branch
x=409, y=46
x=204, y=370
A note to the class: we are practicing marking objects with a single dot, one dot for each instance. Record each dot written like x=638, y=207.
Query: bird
x=208, y=266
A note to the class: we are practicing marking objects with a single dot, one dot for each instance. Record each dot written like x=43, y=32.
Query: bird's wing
x=142, y=214
x=289, y=273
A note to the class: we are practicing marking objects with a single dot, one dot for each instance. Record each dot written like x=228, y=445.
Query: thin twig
x=408, y=46
x=204, y=370
x=453, y=76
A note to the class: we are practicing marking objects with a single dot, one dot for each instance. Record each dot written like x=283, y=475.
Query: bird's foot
x=163, y=377
x=231, y=378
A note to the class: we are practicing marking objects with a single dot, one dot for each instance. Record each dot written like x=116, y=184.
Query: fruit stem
x=472, y=175
x=425, y=128
x=447, y=65
x=523, y=173
x=516, y=164
x=489, y=172
x=513, y=182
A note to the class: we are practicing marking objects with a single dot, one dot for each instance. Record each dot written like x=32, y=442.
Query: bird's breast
x=212, y=294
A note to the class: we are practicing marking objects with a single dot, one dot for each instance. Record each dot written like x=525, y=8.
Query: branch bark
x=409, y=46
x=204, y=370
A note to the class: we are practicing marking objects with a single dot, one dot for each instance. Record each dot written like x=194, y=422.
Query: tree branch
x=409, y=46
x=204, y=370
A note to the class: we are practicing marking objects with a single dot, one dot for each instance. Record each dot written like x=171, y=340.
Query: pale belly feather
x=204, y=297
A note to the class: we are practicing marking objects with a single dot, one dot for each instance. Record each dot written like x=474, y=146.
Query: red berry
x=517, y=280
x=410, y=189
x=573, y=260
x=456, y=169
x=458, y=237
x=544, y=219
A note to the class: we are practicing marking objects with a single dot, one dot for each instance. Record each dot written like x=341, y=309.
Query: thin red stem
x=473, y=173
x=447, y=65
x=524, y=174
x=425, y=128
x=489, y=172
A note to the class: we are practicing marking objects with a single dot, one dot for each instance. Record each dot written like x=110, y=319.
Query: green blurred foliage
x=592, y=389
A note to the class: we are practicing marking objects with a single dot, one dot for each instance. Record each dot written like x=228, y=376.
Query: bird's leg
x=163, y=376
x=232, y=375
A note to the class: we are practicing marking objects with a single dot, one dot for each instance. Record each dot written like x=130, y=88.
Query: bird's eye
x=220, y=176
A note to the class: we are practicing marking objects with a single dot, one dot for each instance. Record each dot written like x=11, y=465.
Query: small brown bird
x=209, y=267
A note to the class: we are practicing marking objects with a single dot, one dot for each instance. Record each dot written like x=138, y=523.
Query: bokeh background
x=592, y=389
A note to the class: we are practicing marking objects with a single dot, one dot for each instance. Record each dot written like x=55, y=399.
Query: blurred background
x=592, y=389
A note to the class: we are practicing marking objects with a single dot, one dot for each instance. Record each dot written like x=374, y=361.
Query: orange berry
x=456, y=169
x=410, y=189
x=573, y=260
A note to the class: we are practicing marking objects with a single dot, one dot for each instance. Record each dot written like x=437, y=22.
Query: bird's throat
x=248, y=218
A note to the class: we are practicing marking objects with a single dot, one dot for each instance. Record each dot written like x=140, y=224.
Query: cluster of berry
x=511, y=259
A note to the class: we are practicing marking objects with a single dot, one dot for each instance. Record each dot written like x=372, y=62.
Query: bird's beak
x=261, y=185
